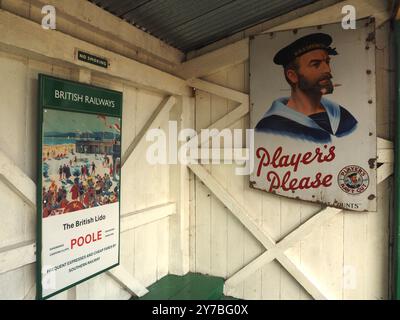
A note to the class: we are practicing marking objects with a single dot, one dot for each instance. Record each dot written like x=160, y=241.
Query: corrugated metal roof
x=192, y=24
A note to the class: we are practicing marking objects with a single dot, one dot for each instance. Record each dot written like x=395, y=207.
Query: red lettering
x=331, y=154
x=327, y=181
x=287, y=183
x=283, y=162
x=274, y=179
x=264, y=155
x=295, y=161
x=276, y=156
x=73, y=242
x=91, y=237
x=304, y=183
x=280, y=160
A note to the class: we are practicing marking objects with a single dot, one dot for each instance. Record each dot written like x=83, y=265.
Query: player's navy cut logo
x=353, y=179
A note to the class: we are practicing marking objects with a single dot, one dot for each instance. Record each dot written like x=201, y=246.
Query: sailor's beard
x=315, y=87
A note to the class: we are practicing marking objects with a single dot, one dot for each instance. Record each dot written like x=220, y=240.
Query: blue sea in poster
x=58, y=140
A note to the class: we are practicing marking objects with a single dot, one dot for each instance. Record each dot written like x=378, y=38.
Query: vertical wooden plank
x=31, y=110
x=235, y=230
x=203, y=195
x=253, y=203
x=236, y=79
x=235, y=240
x=129, y=128
x=330, y=275
x=13, y=104
x=271, y=273
x=321, y=253
x=252, y=249
x=82, y=291
x=377, y=255
x=235, y=234
x=11, y=287
x=146, y=105
x=354, y=248
x=384, y=82
x=162, y=247
x=176, y=193
x=192, y=221
x=189, y=112
x=219, y=107
x=127, y=250
x=29, y=281
x=97, y=288
x=309, y=250
x=12, y=227
x=186, y=185
x=113, y=290
x=146, y=254
x=290, y=219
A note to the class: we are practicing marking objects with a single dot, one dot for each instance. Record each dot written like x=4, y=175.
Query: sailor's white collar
x=280, y=108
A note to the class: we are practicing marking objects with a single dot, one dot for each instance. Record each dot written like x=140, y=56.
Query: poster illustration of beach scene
x=81, y=161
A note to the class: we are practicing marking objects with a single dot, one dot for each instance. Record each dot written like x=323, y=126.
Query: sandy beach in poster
x=81, y=161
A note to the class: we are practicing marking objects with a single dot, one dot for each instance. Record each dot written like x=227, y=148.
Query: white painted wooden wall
x=144, y=249
x=347, y=256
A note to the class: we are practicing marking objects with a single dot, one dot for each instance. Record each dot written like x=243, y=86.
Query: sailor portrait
x=306, y=114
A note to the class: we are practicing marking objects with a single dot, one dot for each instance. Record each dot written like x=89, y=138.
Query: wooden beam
x=83, y=75
x=307, y=282
x=145, y=216
x=31, y=294
x=24, y=37
x=291, y=239
x=17, y=180
x=230, y=118
x=92, y=17
x=384, y=171
x=215, y=61
x=241, y=214
x=230, y=202
x=385, y=156
x=224, y=153
x=218, y=90
x=85, y=20
x=16, y=256
x=384, y=144
x=225, y=122
x=154, y=121
x=125, y=279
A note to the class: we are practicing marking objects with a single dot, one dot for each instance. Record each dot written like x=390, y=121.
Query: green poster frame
x=396, y=168
x=47, y=85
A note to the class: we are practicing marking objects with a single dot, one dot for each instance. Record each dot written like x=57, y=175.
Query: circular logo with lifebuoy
x=353, y=179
